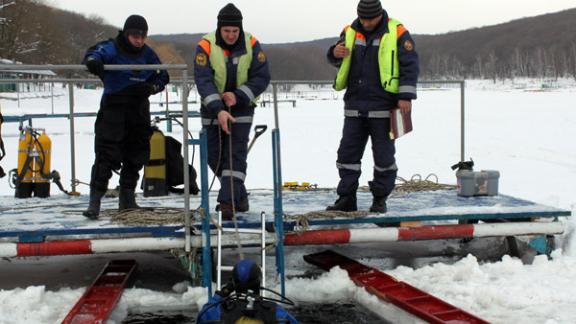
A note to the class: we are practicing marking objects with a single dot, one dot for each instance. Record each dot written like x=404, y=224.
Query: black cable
x=284, y=300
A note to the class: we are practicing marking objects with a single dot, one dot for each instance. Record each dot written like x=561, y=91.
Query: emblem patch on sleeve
x=408, y=45
x=201, y=59
x=261, y=57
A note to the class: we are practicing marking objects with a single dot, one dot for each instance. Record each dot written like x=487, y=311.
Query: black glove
x=226, y=290
x=95, y=67
x=153, y=88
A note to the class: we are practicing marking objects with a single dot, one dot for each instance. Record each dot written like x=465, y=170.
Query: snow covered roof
x=35, y=72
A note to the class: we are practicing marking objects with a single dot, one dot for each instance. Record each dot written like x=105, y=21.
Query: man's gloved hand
x=95, y=67
x=153, y=88
x=226, y=290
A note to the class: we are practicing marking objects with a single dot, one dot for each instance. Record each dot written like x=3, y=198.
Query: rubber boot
x=243, y=206
x=127, y=199
x=378, y=205
x=345, y=204
x=226, y=210
x=378, y=199
x=94, y=205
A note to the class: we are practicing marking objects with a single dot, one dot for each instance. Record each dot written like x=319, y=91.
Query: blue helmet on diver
x=246, y=276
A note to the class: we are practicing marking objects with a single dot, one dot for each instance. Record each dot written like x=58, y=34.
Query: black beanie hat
x=135, y=25
x=230, y=16
x=368, y=9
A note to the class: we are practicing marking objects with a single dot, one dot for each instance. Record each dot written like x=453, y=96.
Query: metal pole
x=72, y=143
x=186, y=170
x=18, y=93
x=462, y=120
x=275, y=95
x=52, y=96
x=206, y=256
x=278, y=211
x=263, y=250
x=168, y=120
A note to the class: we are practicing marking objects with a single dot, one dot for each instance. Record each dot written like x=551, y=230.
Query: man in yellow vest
x=378, y=67
x=230, y=71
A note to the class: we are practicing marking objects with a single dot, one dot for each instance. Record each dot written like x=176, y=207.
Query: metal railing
x=71, y=81
x=186, y=85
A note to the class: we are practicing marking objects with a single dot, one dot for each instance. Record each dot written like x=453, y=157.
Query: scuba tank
x=23, y=177
x=41, y=172
x=164, y=170
x=32, y=175
x=154, y=182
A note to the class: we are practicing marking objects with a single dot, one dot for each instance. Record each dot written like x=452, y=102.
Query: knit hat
x=368, y=9
x=135, y=25
x=230, y=16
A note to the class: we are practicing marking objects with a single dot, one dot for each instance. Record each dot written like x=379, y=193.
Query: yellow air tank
x=43, y=147
x=25, y=183
x=155, y=169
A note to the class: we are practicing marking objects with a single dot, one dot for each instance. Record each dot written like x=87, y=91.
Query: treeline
x=34, y=33
x=539, y=47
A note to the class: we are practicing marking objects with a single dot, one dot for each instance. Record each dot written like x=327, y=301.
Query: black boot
x=127, y=199
x=378, y=205
x=226, y=210
x=94, y=205
x=345, y=204
x=243, y=206
x=378, y=199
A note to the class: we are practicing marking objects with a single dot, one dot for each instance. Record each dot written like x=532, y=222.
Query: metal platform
x=34, y=220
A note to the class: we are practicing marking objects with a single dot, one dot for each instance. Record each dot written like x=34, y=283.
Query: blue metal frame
x=278, y=211
x=40, y=235
x=202, y=141
x=206, y=246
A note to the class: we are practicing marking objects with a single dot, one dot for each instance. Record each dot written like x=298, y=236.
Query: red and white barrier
x=393, y=234
x=336, y=236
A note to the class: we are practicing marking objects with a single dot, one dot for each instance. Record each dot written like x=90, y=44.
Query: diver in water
x=239, y=301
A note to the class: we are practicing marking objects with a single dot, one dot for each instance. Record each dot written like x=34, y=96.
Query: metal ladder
x=261, y=232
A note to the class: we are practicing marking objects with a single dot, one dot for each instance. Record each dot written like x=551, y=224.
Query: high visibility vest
x=218, y=62
x=387, y=59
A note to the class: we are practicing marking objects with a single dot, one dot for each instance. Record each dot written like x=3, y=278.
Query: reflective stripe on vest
x=218, y=61
x=387, y=59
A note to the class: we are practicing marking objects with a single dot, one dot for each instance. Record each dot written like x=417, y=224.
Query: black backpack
x=175, y=168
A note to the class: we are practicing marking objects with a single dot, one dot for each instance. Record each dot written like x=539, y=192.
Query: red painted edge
x=54, y=248
x=435, y=232
x=318, y=237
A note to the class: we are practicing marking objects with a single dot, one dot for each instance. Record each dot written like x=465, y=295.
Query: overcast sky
x=276, y=21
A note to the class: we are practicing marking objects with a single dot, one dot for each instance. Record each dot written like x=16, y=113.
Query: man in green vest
x=230, y=71
x=378, y=67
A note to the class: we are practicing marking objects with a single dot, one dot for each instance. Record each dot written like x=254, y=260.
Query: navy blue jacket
x=112, y=51
x=365, y=92
x=211, y=312
x=258, y=76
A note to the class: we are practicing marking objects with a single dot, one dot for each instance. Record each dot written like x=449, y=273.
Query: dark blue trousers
x=355, y=135
x=219, y=159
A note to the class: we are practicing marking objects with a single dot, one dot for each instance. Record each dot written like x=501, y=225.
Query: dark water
x=308, y=313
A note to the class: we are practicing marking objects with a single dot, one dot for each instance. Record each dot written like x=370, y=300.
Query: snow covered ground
x=522, y=129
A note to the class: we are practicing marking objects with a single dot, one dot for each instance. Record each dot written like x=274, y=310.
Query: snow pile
x=503, y=292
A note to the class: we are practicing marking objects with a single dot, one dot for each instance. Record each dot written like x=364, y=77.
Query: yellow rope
x=417, y=184
x=146, y=216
